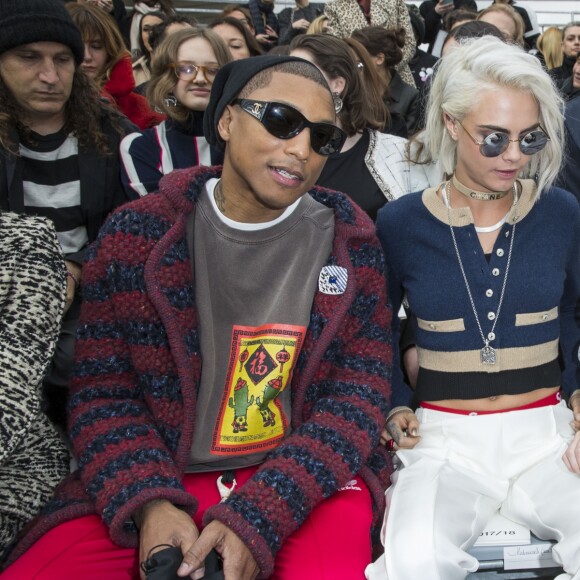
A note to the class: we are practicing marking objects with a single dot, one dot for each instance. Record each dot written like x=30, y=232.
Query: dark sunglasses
x=285, y=122
x=497, y=142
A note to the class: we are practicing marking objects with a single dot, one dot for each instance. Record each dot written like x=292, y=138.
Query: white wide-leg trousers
x=464, y=469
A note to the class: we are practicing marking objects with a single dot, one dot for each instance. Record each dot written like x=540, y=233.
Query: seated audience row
x=186, y=369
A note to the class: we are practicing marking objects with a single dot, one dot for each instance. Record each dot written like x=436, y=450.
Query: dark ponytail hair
x=362, y=97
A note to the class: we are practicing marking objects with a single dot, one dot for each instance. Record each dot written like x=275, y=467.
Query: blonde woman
x=319, y=26
x=550, y=45
x=488, y=263
x=507, y=20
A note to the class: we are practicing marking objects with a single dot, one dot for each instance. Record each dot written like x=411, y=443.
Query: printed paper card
x=501, y=532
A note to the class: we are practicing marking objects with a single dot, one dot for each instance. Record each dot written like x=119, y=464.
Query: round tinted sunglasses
x=497, y=142
x=285, y=122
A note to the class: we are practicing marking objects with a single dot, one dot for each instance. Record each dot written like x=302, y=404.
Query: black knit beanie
x=27, y=21
x=228, y=83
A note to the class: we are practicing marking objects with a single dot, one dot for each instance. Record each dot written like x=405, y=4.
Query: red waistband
x=545, y=402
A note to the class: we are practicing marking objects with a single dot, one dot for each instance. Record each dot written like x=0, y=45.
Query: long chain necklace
x=487, y=353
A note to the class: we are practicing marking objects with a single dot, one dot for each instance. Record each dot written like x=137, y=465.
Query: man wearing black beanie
x=233, y=360
x=58, y=150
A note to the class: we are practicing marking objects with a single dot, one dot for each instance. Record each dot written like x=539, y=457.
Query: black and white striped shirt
x=51, y=186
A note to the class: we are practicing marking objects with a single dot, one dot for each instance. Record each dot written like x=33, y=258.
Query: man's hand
x=403, y=429
x=71, y=285
x=163, y=523
x=239, y=564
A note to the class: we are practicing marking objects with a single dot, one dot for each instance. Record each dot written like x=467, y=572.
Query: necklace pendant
x=488, y=356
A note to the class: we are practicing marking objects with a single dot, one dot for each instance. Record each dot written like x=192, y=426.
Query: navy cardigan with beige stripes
x=536, y=332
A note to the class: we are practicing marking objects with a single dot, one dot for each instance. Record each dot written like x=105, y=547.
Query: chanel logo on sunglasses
x=256, y=109
x=285, y=122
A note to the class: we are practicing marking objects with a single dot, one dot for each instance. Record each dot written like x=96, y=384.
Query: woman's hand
x=301, y=24
x=163, y=523
x=575, y=406
x=443, y=8
x=268, y=38
x=239, y=564
x=402, y=428
x=572, y=455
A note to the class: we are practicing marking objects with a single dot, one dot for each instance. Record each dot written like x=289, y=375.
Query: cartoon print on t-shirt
x=272, y=390
x=240, y=404
x=251, y=416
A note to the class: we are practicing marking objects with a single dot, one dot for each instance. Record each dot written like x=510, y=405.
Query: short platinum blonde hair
x=489, y=64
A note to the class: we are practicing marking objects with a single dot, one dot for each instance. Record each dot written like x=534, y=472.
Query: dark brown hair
x=239, y=8
x=96, y=25
x=459, y=15
x=362, y=95
x=379, y=40
x=83, y=114
x=249, y=38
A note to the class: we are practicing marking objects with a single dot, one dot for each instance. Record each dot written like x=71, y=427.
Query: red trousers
x=332, y=544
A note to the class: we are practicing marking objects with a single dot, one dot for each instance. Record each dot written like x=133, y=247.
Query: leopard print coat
x=33, y=458
x=346, y=16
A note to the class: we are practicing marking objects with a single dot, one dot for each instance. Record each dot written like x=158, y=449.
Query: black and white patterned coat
x=33, y=458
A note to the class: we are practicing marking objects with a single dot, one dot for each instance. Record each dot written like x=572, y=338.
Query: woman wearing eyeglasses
x=182, y=74
x=488, y=262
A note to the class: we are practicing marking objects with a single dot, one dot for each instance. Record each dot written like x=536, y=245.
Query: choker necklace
x=481, y=195
x=499, y=224
x=487, y=353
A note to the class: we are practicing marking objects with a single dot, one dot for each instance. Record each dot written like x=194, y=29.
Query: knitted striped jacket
x=138, y=367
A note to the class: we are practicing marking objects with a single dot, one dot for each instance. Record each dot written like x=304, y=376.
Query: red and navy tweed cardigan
x=138, y=367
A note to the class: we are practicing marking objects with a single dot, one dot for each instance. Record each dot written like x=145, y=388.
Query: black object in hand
x=163, y=565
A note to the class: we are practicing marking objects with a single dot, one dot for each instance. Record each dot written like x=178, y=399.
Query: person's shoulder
x=399, y=210
x=143, y=144
x=572, y=109
x=388, y=139
x=24, y=221
x=113, y=120
x=27, y=230
x=559, y=211
x=561, y=201
x=148, y=217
